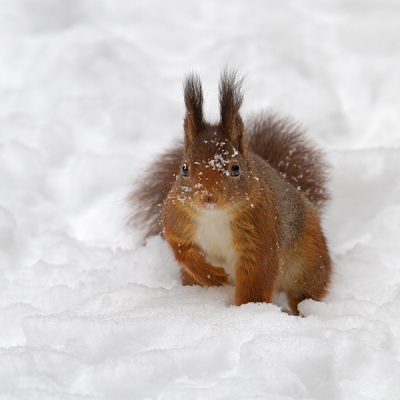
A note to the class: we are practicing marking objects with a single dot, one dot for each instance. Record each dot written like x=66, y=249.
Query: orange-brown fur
x=272, y=206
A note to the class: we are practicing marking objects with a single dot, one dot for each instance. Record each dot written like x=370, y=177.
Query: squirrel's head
x=215, y=172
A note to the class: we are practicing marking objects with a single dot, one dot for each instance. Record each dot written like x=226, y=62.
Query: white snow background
x=90, y=92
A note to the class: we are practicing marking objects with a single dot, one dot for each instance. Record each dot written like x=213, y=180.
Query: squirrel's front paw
x=216, y=277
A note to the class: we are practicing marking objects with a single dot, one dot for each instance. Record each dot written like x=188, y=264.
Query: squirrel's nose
x=209, y=200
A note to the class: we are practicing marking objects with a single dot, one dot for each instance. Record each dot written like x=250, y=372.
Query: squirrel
x=240, y=203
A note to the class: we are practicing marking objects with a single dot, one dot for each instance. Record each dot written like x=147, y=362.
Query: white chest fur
x=214, y=238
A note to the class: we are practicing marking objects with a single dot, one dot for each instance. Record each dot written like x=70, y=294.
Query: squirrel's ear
x=193, y=94
x=230, y=101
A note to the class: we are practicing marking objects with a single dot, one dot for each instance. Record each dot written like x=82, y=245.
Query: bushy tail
x=151, y=191
x=283, y=145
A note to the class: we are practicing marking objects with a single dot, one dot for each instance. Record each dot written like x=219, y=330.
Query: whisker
x=163, y=264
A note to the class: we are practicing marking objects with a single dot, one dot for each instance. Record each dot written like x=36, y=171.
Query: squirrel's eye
x=185, y=169
x=235, y=169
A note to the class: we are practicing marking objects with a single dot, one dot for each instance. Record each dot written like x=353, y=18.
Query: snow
x=90, y=92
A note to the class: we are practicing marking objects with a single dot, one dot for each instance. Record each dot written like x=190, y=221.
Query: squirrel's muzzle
x=209, y=201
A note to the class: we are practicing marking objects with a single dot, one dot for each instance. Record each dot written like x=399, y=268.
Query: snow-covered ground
x=90, y=92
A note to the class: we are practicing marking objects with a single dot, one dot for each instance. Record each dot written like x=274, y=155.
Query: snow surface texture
x=90, y=91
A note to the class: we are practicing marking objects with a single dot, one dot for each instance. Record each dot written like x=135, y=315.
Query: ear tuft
x=230, y=101
x=230, y=92
x=193, y=95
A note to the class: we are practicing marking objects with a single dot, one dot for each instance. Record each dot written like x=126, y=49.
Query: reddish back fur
x=283, y=145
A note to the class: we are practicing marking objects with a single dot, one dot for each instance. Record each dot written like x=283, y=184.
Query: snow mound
x=90, y=92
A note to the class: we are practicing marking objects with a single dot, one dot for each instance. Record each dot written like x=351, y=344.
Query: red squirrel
x=240, y=203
